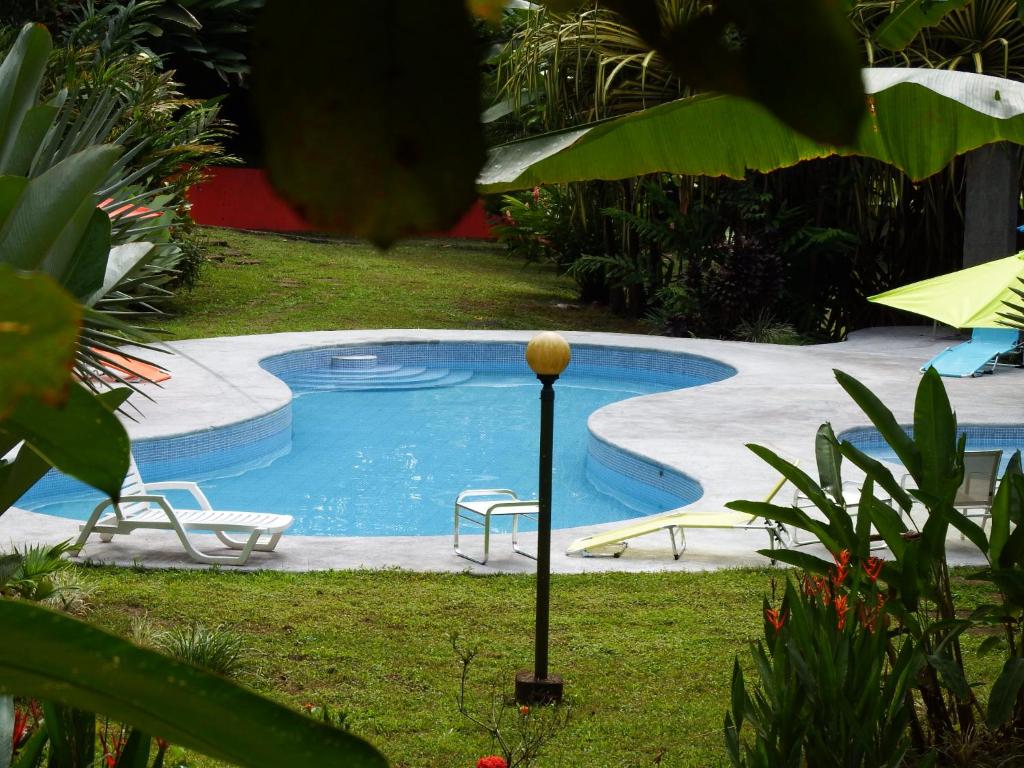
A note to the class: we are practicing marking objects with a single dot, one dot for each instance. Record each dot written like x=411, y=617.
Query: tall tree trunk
x=993, y=191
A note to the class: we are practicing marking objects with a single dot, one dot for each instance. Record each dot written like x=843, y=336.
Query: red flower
x=869, y=617
x=841, y=610
x=491, y=761
x=873, y=567
x=842, y=567
x=817, y=586
x=112, y=751
x=774, y=618
x=21, y=727
x=524, y=710
x=536, y=195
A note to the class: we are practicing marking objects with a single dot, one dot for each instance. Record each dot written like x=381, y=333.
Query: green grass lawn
x=646, y=658
x=268, y=283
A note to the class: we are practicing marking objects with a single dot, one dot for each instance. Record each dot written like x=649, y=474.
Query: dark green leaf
x=87, y=267
x=31, y=754
x=21, y=75
x=992, y=643
x=951, y=675
x=33, y=129
x=830, y=462
x=82, y=438
x=732, y=740
x=962, y=523
x=20, y=475
x=790, y=516
x=886, y=521
x=54, y=210
x=136, y=751
x=72, y=735
x=884, y=422
x=935, y=436
x=797, y=558
x=738, y=692
x=175, y=13
x=54, y=657
x=1011, y=583
x=361, y=143
x=1013, y=550
x=1007, y=508
x=11, y=188
x=910, y=578
x=38, y=330
x=909, y=18
x=1003, y=698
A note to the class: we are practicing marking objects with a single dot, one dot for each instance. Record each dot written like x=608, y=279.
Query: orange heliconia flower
x=842, y=567
x=841, y=610
x=775, y=618
x=873, y=568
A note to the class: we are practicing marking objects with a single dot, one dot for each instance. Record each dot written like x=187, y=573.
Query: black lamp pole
x=547, y=429
x=547, y=354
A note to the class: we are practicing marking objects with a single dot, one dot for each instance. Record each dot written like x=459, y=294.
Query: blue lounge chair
x=978, y=355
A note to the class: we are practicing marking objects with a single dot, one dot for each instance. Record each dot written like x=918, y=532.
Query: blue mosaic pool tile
x=248, y=442
x=868, y=438
x=648, y=366
x=639, y=483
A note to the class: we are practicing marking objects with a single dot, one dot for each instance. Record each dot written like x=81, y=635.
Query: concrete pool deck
x=779, y=397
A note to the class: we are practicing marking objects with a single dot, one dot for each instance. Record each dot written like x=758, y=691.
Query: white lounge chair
x=978, y=488
x=478, y=506
x=141, y=507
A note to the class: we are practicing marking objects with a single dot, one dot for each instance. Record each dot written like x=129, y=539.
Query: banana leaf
x=919, y=120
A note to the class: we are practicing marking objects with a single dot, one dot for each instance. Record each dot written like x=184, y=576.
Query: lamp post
x=547, y=354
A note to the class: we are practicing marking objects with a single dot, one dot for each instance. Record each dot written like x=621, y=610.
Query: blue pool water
x=379, y=463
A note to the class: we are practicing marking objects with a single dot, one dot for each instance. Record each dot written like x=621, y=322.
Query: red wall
x=242, y=198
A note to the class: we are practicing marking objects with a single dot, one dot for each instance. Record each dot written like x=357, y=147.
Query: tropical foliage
x=211, y=32
x=565, y=72
x=113, y=92
x=903, y=650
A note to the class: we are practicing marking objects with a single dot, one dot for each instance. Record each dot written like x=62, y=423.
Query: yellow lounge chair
x=676, y=521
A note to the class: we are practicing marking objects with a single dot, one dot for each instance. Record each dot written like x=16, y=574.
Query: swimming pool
x=1007, y=438
x=379, y=439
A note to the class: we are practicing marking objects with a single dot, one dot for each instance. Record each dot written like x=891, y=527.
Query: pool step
x=383, y=377
x=354, y=362
x=371, y=374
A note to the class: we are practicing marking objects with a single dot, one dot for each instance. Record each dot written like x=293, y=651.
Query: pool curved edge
x=632, y=478
x=778, y=396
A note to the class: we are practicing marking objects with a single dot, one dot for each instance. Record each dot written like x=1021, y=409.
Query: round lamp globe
x=548, y=354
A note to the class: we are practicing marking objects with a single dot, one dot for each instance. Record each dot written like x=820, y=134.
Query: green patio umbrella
x=968, y=298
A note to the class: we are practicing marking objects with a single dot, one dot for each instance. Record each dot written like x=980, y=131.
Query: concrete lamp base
x=533, y=690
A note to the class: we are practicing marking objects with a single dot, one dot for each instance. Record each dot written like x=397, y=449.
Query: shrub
x=943, y=711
